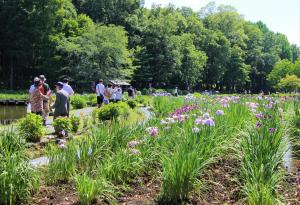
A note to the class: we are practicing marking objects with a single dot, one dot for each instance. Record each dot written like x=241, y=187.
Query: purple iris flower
x=259, y=116
x=209, y=122
x=272, y=130
x=258, y=125
x=219, y=112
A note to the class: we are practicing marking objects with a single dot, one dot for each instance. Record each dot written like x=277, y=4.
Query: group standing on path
x=111, y=93
x=40, y=98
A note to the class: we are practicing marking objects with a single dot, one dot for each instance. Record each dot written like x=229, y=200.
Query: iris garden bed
x=197, y=150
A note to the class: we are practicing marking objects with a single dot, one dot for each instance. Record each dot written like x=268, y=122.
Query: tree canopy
x=215, y=48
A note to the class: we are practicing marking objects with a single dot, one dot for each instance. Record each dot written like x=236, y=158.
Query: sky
x=279, y=15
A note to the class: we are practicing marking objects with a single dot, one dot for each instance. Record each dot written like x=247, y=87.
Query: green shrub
x=75, y=123
x=61, y=124
x=78, y=102
x=132, y=103
x=112, y=111
x=91, y=99
x=143, y=100
x=31, y=127
x=146, y=91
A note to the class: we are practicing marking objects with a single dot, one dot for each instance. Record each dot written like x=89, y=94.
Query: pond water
x=291, y=161
x=11, y=113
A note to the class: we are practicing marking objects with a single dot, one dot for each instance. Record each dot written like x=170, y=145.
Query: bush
x=132, y=103
x=143, y=100
x=75, y=123
x=61, y=124
x=112, y=111
x=31, y=127
x=78, y=102
x=92, y=99
x=145, y=91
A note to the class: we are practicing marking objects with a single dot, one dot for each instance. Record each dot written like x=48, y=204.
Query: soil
x=292, y=189
x=143, y=192
x=220, y=186
x=62, y=194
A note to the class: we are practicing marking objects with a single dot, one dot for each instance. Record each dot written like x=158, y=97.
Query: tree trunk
x=11, y=84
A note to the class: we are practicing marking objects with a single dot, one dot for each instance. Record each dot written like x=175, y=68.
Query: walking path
x=86, y=111
x=80, y=112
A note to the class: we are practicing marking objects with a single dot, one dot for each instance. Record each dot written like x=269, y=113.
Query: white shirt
x=114, y=94
x=68, y=89
x=119, y=94
x=31, y=89
x=100, y=89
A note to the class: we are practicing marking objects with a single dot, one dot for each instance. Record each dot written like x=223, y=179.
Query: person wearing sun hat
x=61, y=102
x=36, y=97
x=45, y=90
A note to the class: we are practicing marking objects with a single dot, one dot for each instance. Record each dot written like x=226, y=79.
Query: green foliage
x=281, y=70
x=13, y=96
x=289, y=83
x=31, y=127
x=61, y=124
x=165, y=105
x=62, y=162
x=263, y=152
x=78, y=101
x=86, y=188
x=143, y=100
x=168, y=47
x=75, y=123
x=112, y=111
x=297, y=68
x=11, y=142
x=17, y=179
x=132, y=103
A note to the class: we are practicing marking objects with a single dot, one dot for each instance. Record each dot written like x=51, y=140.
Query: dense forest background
x=214, y=48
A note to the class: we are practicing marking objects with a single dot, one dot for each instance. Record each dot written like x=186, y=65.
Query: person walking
x=69, y=90
x=100, y=88
x=37, y=97
x=45, y=90
x=176, y=91
x=61, y=102
x=130, y=92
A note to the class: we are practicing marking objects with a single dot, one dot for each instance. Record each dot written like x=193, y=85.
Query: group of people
x=111, y=93
x=40, y=98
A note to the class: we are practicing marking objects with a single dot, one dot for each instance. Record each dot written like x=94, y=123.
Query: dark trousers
x=60, y=115
x=38, y=113
x=68, y=107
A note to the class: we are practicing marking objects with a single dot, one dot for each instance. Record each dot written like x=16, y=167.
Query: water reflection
x=10, y=113
x=291, y=161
